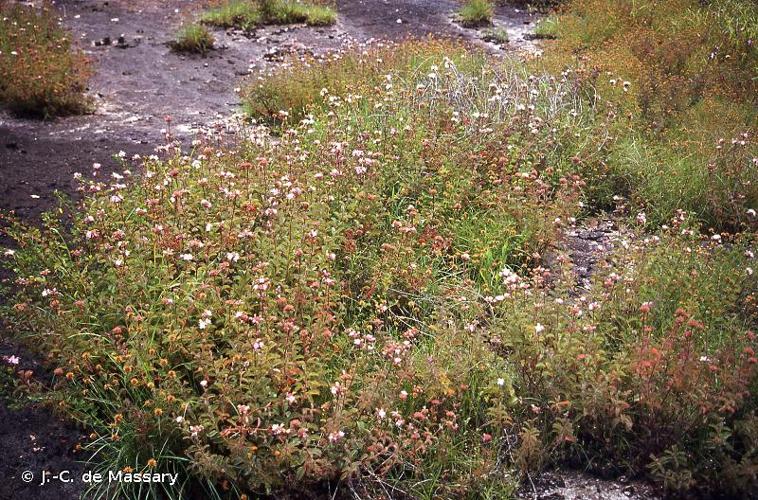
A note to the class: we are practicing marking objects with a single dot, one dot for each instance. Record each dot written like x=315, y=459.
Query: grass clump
x=41, y=74
x=248, y=14
x=476, y=13
x=243, y=14
x=193, y=38
x=294, y=11
x=496, y=35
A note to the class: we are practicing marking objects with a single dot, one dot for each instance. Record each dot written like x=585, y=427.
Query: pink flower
x=11, y=360
x=336, y=436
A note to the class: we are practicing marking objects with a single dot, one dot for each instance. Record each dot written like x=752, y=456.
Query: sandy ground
x=135, y=86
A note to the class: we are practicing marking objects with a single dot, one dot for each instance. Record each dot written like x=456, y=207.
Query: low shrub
x=361, y=300
x=476, y=13
x=193, y=38
x=652, y=371
x=681, y=73
x=297, y=313
x=286, y=94
x=41, y=74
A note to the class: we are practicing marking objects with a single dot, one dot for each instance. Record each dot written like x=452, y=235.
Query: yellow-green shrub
x=41, y=74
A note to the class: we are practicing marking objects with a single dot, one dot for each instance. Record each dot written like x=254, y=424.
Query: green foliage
x=193, y=38
x=242, y=14
x=294, y=11
x=361, y=299
x=496, y=35
x=476, y=13
x=40, y=73
x=272, y=320
x=683, y=74
x=286, y=95
x=248, y=14
x=654, y=368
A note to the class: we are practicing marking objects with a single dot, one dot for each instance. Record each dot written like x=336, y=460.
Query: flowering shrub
x=40, y=73
x=681, y=73
x=296, y=312
x=653, y=368
x=361, y=299
x=286, y=93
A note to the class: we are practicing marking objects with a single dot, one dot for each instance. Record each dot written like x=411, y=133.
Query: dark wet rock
x=103, y=42
x=587, y=246
x=536, y=36
x=576, y=485
x=33, y=440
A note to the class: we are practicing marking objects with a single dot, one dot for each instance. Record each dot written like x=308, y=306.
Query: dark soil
x=32, y=439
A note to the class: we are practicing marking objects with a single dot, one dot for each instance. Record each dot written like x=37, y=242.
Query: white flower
x=380, y=413
x=501, y=382
x=232, y=256
x=203, y=323
x=11, y=360
x=538, y=328
x=336, y=436
x=186, y=256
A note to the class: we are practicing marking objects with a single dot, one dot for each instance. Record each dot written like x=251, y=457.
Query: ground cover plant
x=374, y=297
x=476, y=13
x=41, y=73
x=248, y=14
x=193, y=38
